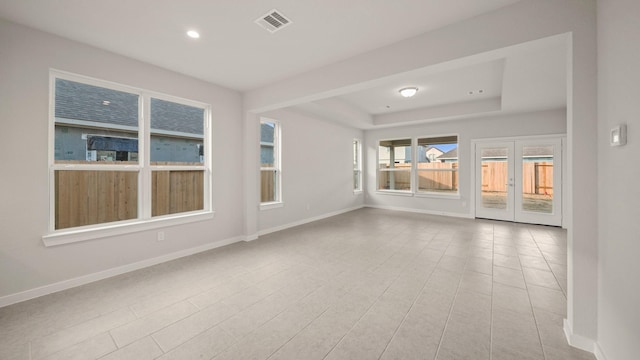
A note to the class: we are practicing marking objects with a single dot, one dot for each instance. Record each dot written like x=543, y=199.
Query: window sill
x=357, y=192
x=68, y=236
x=394, y=192
x=434, y=195
x=271, y=205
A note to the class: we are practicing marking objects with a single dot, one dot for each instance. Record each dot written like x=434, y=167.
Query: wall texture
x=317, y=168
x=618, y=174
x=25, y=263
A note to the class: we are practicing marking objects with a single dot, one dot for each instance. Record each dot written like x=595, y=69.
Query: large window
x=270, y=176
x=124, y=154
x=437, y=165
x=357, y=165
x=394, y=165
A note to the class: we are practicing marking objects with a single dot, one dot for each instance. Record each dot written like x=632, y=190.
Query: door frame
x=563, y=173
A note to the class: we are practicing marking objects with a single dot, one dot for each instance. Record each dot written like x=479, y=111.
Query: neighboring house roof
x=85, y=102
x=451, y=154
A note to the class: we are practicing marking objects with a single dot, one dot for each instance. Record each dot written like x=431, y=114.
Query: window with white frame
x=121, y=154
x=357, y=165
x=270, y=171
x=394, y=165
x=437, y=165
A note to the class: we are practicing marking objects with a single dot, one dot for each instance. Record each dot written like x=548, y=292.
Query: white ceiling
x=236, y=53
x=233, y=51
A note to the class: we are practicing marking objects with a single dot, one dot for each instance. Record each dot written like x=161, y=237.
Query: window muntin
x=357, y=165
x=437, y=165
x=270, y=171
x=394, y=165
x=100, y=165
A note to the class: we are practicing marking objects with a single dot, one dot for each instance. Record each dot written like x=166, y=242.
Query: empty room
x=412, y=179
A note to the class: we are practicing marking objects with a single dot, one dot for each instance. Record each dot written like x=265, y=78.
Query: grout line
x=492, y=297
x=158, y=345
x=453, y=302
x=533, y=313
x=413, y=303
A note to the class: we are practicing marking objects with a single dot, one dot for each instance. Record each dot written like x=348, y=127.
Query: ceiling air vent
x=273, y=21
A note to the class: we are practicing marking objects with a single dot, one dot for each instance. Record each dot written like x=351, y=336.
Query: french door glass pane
x=494, y=177
x=89, y=197
x=175, y=192
x=537, y=179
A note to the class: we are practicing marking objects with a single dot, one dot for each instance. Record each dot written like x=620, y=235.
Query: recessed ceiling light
x=193, y=34
x=408, y=91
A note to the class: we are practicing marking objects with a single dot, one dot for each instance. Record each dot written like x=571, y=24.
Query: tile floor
x=369, y=284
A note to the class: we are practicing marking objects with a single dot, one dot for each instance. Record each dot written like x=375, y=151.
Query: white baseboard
x=578, y=341
x=305, y=221
x=86, y=279
x=597, y=351
x=420, y=211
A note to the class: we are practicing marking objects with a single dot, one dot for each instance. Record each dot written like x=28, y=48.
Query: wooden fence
x=267, y=186
x=87, y=197
x=174, y=192
x=94, y=197
x=537, y=177
x=443, y=178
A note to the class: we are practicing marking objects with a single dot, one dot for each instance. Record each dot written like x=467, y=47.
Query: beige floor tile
x=143, y=349
x=420, y=333
x=535, y=262
x=548, y=299
x=540, y=278
x=204, y=346
x=183, y=330
x=130, y=332
x=63, y=339
x=92, y=348
x=370, y=335
x=366, y=284
x=509, y=261
x=508, y=276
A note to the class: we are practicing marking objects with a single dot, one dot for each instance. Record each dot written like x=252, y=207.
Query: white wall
x=523, y=21
x=618, y=174
x=26, y=57
x=317, y=170
x=538, y=123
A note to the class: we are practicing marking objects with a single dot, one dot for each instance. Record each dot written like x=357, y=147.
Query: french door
x=519, y=180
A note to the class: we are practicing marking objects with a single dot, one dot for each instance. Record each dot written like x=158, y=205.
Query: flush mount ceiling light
x=408, y=91
x=193, y=34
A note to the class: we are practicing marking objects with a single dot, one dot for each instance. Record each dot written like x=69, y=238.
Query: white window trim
x=144, y=220
x=277, y=157
x=359, y=167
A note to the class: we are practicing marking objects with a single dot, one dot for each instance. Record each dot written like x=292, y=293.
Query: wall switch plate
x=618, y=136
x=160, y=235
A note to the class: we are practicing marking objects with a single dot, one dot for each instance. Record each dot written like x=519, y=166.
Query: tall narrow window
x=357, y=165
x=270, y=176
x=109, y=165
x=394, y=165
x=437, y=165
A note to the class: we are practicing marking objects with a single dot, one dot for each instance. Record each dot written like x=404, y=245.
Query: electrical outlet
x=160, y=235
